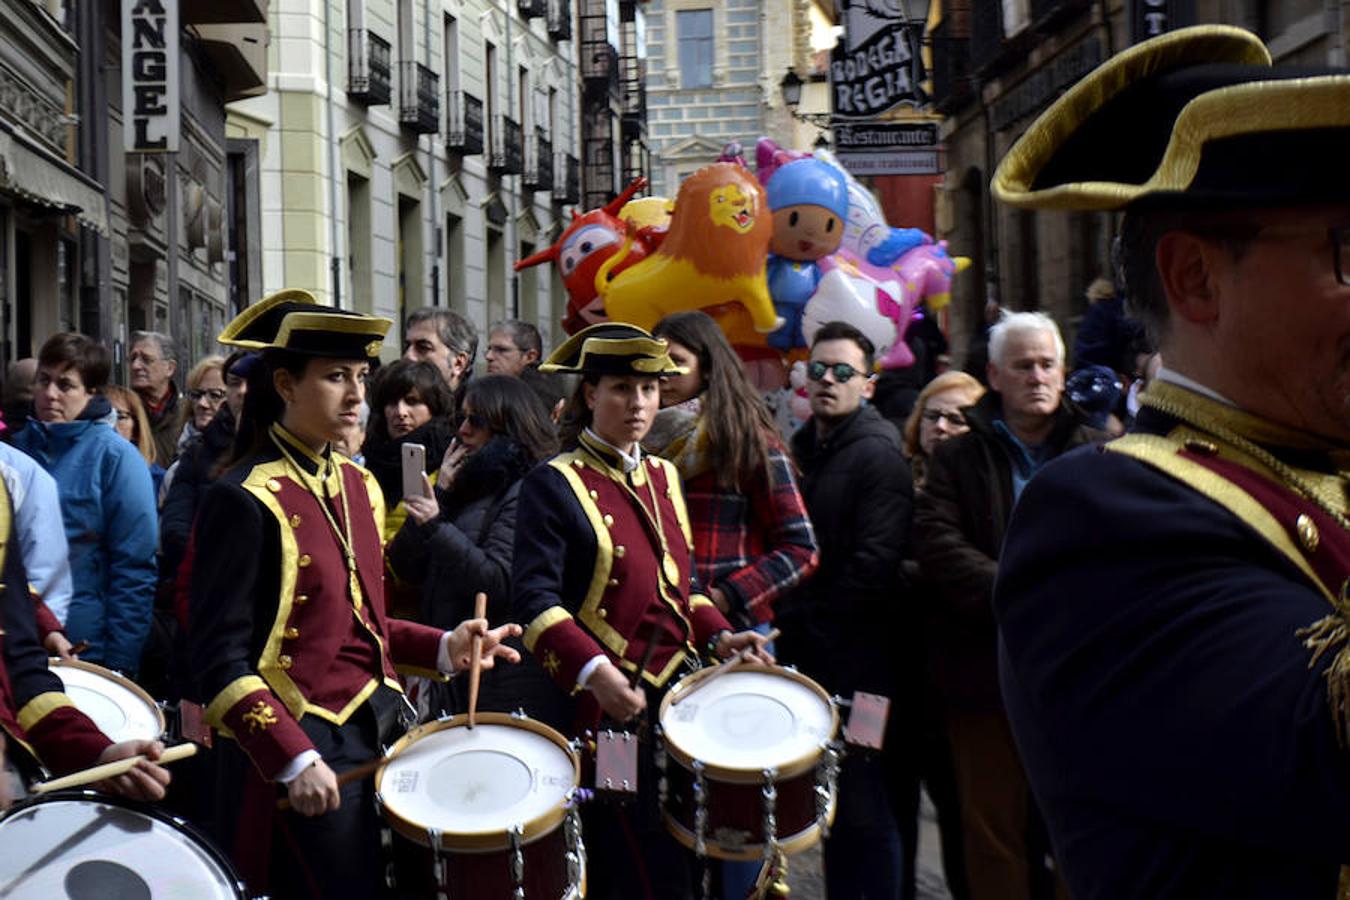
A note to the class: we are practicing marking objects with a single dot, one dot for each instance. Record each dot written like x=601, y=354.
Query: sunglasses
x=215, y=395
x=955, y=419
x=842, y=371
x=477, y=421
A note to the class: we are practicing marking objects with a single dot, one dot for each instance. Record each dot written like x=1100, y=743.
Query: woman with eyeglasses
x=459, y=540
x=206, y=394
x=937, y=417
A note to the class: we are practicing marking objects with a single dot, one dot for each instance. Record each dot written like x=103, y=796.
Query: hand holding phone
x=414, y=468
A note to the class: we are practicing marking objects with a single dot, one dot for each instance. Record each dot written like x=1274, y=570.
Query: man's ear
x=1187, y=266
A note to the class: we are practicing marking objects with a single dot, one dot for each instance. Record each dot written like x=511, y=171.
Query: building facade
x=412, y=150
x=996, y=67
x=713, y=78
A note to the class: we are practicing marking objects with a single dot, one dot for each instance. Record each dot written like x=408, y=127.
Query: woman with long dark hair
x=292, y=652
x=602, y=573
x=459, y=540
x=409, y=404
x=752, y=537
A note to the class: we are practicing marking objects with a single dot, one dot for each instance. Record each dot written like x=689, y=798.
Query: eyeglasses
x=842, y=371
x=477, y=421
x=954, y=419
x=1338, y=237
x=123, y=416
x=215, y=395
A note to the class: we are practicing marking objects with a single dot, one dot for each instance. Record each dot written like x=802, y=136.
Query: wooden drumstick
x=113, y=769
x=355, y=773
x=475, y=664
x=727, y=665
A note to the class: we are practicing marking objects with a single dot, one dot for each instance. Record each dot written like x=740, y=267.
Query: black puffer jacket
x=384, y=455
x=468, y=549
x=840, y=625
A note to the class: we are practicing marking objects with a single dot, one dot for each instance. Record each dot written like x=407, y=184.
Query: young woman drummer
x=603, y=577
x=291, y=649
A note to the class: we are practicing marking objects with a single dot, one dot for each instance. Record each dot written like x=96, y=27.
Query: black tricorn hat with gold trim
x=1195, y=118
x=294, y=321
x=612, y=348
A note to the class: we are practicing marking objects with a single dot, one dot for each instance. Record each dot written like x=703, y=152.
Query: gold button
x=579, y=464
x=614, y=582
x=301, y=599
x=595, y=495
x=274, y=486
x=304, y=561
x=1202, y=448
x=291, y=633
x=284, y=661
x=620, y=550
x=295, y=520
x=1308, y=535
x=604, y=614
x=608, y=520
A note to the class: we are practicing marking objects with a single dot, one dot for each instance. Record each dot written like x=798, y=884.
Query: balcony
x=633, y=100
x=506, y=156
x=419, y=98
x=531, y=9
x=538, y=163
x=560, y=20
x=238, y=53
x=368, y=67
x=600, y=68
x=223, y=12
x=566, y=178
x=463, y=124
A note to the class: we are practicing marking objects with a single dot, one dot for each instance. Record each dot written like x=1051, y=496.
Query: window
x=694, y=28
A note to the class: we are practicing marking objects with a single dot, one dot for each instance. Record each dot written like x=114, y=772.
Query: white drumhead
x=480, y=781
x=749, y=720
x=118, y=711
x=83, y=849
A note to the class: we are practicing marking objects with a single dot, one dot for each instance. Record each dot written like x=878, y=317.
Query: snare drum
x=752, y=764
x=118, y=706
x=488, y=811
x=88, y=846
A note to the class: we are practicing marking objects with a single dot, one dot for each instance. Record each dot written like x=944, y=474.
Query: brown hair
x=735, y=418
x=141, y=434
x=944, y=382
x=68, y=350
x=199, y=371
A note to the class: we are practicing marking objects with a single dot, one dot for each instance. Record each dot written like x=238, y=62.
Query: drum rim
x=479, y=841
x=803, y=840
x=150, y=810
x=120, y=680
x=734, y=775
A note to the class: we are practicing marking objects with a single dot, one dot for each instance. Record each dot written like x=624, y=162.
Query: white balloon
x=850, y=298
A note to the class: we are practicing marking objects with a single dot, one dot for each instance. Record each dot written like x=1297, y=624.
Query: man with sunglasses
x=840, y=625
x=973, y=480
x=1173, y=610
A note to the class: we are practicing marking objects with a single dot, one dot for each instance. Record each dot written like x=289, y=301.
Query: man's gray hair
x=524, y=335
x=168, y=348
x=1011, y=323
x=455, y=331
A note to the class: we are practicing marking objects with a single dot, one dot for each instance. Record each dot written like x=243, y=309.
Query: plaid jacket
x=752, y=546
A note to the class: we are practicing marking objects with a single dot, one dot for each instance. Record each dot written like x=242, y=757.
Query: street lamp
x=791, y=87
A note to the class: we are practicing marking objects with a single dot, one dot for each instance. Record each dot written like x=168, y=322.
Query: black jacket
x=960, y=518
x=468, y=549
x=839, y=626
x=197, y=469
x=385, y=461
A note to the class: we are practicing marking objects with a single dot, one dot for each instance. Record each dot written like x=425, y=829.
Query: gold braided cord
x=345, y=540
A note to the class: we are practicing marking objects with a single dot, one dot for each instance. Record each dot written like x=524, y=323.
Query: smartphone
x=414, y=467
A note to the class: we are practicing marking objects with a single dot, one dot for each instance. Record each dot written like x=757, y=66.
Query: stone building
x=412, y=150
x=96, y=239
x=996, y=66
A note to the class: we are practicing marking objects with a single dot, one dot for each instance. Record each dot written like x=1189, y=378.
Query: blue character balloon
x=809, y=201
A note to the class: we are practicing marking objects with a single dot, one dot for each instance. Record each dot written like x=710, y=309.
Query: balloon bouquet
x=771, y=256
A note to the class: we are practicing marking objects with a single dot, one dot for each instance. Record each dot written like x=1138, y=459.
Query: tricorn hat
x=1196, y=118
x=293, y=320
x=612, y=348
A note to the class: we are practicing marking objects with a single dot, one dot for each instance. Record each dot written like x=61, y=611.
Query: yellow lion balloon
x=712, y=258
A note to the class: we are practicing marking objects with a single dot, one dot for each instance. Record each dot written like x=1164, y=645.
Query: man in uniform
x=1172, y=607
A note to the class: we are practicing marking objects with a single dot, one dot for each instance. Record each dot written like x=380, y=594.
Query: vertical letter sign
x=150, y=76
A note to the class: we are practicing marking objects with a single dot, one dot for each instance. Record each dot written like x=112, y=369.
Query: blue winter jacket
x=108, y=507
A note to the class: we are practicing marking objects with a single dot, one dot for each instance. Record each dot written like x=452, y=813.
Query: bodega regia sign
x=877, y=64
x=150, y=76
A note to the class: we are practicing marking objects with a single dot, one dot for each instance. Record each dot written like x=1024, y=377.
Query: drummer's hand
x=314, y=791
x=728, y=644
x=145, y=782
x=461, y=644
x=57, y=644
x=616, y=697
